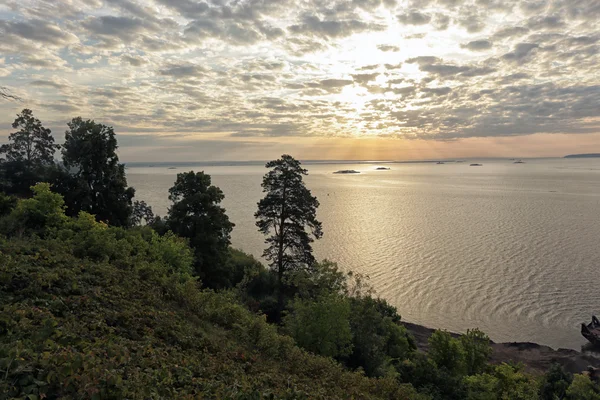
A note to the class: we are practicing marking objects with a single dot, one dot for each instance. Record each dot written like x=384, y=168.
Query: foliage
x=32, y=144
x=141, y=213
x=504, y=382
x=424, y=375
x=283, y=215
x=477, y=351
x=582, y=388
x=45, y=210
x=197, y=216
x=7, y=203
x=98, y=184
x=76, y=325
x=447, y=352
x=378, y=338
x=29, y=155
x=321, y=326
x=555, y=383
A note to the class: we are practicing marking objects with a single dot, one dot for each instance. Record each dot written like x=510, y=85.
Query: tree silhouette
x=197, y=216
x=32, y=144
x=283, y=215
x=28, y=157
x=98, y=184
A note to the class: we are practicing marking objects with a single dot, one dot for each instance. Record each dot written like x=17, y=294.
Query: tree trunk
x=280, y=254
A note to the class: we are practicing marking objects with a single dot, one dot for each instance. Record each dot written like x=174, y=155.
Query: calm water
x=513, y=249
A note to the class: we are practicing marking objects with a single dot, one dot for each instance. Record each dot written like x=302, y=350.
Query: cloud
x=477, y=45
x=37, y=31
x=521, y=53
x=388, y=48
x=414, y=18
x=314, y=26
x=124, y=28
x=432, y=69
x=183, y=71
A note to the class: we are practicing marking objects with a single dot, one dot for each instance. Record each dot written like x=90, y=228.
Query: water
x=512, y=249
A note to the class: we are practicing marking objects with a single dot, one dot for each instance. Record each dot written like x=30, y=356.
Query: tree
x=285, y=212
x=141, y=212
x=447, y=352
x=98, y=184
x=32, y=143
x=29, y=155
x=582, y=388
x=197, y=216
x=321, y=326
x=477, y=350
x=555, y=383
x=45, y=210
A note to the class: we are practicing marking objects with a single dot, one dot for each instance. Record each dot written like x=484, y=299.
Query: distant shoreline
x=589, y=155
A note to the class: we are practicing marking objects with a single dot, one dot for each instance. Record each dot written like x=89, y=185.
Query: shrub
x=447, y=352
x=477, y=351
x=321, y=326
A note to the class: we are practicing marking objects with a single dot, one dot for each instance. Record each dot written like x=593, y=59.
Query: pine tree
x=284, y=215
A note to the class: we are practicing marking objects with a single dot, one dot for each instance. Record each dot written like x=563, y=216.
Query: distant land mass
x=590, y=155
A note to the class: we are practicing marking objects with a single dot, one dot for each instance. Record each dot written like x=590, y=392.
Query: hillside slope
x=73, y=328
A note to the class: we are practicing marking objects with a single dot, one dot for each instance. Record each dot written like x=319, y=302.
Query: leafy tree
x=29, y=155
x=140, y=213
x=98, y=184
x=32, y=143
x=477, y=350
x=321, y=326
x=378, y=338
x=285, y=212
x=43, y=211
x=555, y=383
x=583, y=388
x=197, y=216
x=7, y=203
x=447, y=352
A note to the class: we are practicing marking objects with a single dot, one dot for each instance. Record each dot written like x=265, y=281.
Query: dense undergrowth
x=99, y=312
x=90, y=311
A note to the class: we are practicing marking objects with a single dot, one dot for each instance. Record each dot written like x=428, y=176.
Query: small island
x=382, y=169
x=589, y=155
x=347, y=171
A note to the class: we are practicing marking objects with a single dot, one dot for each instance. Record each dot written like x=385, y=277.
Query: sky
x=204, y=80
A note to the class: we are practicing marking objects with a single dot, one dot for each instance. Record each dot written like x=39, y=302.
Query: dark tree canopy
x=284, y=215
x=141, y=213
x=32, y=144
x=196, y=215
x=98, y=184
x=28, y=157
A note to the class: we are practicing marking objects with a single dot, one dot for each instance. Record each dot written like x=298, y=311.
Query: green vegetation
x=283, y=215
x=104, y=308
x=197, y=216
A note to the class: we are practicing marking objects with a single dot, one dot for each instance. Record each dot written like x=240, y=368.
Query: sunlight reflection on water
x=511, y=249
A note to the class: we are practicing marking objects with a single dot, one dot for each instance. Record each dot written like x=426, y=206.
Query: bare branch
x=7, y=95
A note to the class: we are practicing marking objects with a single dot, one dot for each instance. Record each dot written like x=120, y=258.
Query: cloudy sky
x=321, y=79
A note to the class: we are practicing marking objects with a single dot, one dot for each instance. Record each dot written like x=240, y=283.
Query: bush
x=378, y=338
x=447, y=352
x=46, y=210
x=582, y=388
x=555, y=383
x=477, y=351
x=321, y=326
